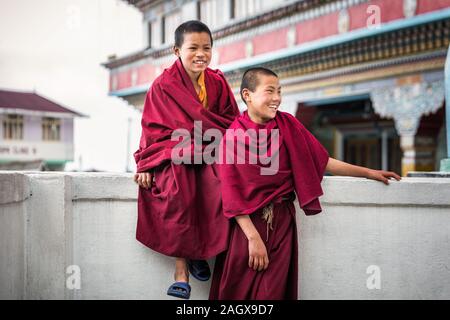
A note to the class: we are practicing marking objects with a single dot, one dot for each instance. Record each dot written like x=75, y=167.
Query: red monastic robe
x=302, y=163
x=181, y=215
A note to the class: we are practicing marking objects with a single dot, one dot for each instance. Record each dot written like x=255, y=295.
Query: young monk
x=261, y=260
x=179, y=205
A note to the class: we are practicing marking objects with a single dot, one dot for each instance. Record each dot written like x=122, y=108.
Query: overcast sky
x=56, y=47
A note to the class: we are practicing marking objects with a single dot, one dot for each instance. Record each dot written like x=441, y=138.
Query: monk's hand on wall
x=383, y=176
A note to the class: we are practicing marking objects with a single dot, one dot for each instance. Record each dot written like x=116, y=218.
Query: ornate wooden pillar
x=445, y=163
x=406, y=102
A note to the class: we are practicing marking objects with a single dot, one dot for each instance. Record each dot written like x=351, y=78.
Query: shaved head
x=250, y=79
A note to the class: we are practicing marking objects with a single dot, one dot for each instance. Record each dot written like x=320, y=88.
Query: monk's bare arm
x=258, y=258
x=340, y=168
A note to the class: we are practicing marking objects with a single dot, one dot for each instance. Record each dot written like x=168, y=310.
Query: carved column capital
x=406, y=104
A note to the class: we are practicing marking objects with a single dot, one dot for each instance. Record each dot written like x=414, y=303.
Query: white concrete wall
x=51, y=221
x=13, y=193
x=402, y=229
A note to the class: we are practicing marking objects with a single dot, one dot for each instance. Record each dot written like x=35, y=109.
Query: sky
x=56, y=47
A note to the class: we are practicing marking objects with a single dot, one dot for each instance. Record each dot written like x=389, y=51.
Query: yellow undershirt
x=202, y=94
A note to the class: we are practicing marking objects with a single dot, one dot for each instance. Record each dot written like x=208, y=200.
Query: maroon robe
x=302, y=163
x=181, y=214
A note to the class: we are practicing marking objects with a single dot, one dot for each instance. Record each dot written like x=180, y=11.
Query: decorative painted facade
x=366, y=77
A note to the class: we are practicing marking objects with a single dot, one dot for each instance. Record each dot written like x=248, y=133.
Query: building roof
x=30, y=101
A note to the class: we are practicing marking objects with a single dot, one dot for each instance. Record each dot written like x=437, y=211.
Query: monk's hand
x=144, y=179
x=383, y=176
x=258, y=258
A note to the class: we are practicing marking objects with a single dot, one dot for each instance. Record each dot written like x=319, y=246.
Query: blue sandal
x=199, y=269
x=180, y=290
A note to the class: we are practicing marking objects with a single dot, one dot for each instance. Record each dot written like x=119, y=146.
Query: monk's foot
x=181, y=270
x=181, y=287
x=181, y=276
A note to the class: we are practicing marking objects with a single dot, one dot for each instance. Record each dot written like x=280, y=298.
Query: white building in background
x=35, y=133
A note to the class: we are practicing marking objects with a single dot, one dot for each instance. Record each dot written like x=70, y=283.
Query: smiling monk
x=179, y=205
x=262, y=256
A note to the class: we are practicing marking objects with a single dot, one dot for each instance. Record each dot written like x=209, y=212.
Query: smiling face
x=195, y=53
x=263, y=102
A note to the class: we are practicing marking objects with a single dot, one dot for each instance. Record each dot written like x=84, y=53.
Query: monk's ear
x=176, y=51
x=246, y=95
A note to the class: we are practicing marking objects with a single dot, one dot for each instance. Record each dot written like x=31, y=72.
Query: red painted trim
x=123, y=80
x=146, y=74
x=389, y=11
x=270, y=41
x=314, y=29
x=231, y=52
x=424, y=6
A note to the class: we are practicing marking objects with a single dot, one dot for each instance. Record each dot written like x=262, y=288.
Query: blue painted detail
x=338, y=39
x=447, y=99
x=130, y=91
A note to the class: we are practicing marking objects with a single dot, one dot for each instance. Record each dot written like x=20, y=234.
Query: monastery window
x=149, y=35
x=214, y=13
x=154, y=33
x=13, y=127
x=247, y=8
x=51, y=129
x=169, y=23
x=271, y=4
x=190, y=11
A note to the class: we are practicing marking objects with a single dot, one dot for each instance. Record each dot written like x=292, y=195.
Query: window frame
x=13, y=127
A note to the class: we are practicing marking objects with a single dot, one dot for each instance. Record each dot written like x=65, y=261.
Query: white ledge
x=50, y=221
x=13, y=187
